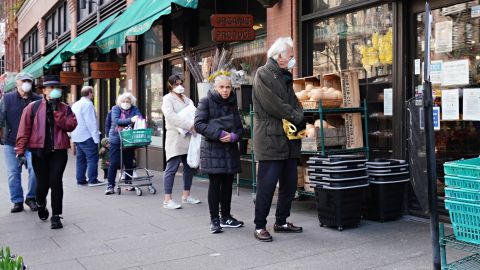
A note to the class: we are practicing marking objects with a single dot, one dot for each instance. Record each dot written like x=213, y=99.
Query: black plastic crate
x=339, y=207
x=337, y=160
x=337, y=174
x=388, y=177
x=340, y=183
x=385, y=162
x=384, y=200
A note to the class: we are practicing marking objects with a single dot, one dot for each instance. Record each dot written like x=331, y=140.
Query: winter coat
x=214, y=115
x=11, y=108
x=113, y=135
x=175, y=143
x=274, y=100
x=104, y=153
x=32, y=134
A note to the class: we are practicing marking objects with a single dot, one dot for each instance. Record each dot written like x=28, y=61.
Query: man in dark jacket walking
x=274, y=100
x=11, y=108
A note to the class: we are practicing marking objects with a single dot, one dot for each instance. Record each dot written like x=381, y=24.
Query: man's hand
x=22, y=161
x=301, y=126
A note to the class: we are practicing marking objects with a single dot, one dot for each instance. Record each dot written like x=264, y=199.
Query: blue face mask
x=55, y=93
x=291, y=63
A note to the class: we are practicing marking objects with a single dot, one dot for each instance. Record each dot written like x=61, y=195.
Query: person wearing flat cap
x=11, y=107
x=43, y=129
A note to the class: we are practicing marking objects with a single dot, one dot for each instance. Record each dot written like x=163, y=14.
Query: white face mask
x=179, y=89
x=26, y=86
x=125, y=105
x=291, y=63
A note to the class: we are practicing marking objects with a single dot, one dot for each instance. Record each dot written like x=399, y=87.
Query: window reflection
x=153, y=78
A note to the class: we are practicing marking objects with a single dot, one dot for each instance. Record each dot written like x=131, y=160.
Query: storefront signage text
x=232, y=27
x=232, y=20
x=233, y=34
x=105, y=66
x=71, y=78
x=105, y=70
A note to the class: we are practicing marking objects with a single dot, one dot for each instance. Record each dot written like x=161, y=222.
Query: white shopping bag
x=193, y=156
x=140, y=124
x=187, y=113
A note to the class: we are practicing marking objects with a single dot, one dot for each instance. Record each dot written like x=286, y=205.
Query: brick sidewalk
x=131, y=232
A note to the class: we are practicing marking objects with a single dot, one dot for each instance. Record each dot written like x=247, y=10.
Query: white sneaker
x=171, y=204
x=190, y=200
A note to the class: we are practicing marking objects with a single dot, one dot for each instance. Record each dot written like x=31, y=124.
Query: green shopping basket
x=136, y=137
x=463, y=167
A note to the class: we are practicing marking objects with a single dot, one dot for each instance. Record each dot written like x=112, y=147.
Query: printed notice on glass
x=475, y=11
x=450, y=105
x=436, y=72
x=443, y=37
x=455, y=72
x=387, y=101
x=417, y=66
x=471, y=104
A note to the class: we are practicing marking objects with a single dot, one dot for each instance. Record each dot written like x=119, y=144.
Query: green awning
x=80, y=43
x=136, y=20
x=36, y=69
x=9, y=85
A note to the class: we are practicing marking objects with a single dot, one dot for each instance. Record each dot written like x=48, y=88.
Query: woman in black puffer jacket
x=218, y=120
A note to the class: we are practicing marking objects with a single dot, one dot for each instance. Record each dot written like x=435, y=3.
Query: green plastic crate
x=462, y=182
x=465, y=195
x=465, y=218
x=136, y=137
x=464, y=167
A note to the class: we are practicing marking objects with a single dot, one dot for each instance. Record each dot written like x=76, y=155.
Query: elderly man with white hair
x=86, y=139
x=273, y=101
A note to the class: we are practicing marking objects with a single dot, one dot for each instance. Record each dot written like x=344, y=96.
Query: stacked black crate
x=388, y=181
x=340, y=182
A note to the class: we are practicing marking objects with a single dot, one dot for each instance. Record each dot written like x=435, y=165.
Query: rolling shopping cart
x=140, y=177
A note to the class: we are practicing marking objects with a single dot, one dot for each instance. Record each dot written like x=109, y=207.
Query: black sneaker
x=56, y=223
x=96, y=183
x=109, y=190
x=215, y=226
x=17, y=207
x=31, y=203
x=43, y=212
x=231, y=222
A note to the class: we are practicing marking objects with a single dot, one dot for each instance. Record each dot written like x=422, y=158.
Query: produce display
x=316, y=93
x=381, y=51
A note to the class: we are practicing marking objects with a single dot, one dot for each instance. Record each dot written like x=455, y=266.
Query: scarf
x=123, y=115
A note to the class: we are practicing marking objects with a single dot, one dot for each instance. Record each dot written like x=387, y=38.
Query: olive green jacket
x=274, y=100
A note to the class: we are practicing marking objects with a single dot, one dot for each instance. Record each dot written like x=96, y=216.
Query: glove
x=302, y=126
x=233, y=137
x=22, y=161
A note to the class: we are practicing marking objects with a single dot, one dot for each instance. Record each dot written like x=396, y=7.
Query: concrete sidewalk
x=131, y=232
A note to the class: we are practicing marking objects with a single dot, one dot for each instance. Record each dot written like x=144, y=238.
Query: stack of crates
x=462, y=192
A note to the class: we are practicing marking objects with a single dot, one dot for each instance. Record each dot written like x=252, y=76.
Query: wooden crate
x=306, y=185
x=351, y=98
x=300, y=84
x=310, y=144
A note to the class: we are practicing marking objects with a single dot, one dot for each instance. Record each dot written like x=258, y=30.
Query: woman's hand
x=134, y=119
x=226, y=138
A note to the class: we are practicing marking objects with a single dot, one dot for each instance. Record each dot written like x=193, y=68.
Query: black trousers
x=220, y=194
x=269, y=173
x=49, y=170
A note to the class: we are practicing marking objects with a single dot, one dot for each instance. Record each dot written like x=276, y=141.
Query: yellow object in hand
x=290, y=130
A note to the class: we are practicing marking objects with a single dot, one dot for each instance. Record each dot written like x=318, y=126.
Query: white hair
x=124, y=96
x=221, y=78
x=280, y=47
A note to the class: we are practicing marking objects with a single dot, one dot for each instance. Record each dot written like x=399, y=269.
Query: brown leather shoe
x=263, y=236
x=290, y=228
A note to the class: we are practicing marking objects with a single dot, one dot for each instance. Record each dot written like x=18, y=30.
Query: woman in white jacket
x=176, y=143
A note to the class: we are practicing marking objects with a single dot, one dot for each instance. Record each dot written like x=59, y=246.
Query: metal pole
x=430, y=144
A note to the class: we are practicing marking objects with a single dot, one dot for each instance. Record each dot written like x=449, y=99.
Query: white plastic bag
x=140, y=124
x=187, y=113
x=193, y=155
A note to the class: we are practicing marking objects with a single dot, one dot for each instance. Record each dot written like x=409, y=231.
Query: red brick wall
x=282, y=22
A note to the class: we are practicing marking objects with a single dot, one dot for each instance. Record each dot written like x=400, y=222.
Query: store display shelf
x=336, y=151
x=467, y=263
x=452, y=242
x=336, y=110
x=374, y=83
x=306, y=193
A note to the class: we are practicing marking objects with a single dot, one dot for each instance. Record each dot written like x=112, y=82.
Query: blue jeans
x=14, y=172
x=87, y=158
x=171, y=170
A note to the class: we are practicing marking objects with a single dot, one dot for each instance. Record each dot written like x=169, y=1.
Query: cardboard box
x=306, y=185
x=301, y=176
x=333, y=136
x=300, y=84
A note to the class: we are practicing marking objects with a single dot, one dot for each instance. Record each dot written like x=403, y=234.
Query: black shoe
x=31, y=203
x=215, y=226
x=56, y=222
x=231, y=222
x=43, y=212
x=17, y=207
x=289, y=228
x=263, y=236
x=84, y=183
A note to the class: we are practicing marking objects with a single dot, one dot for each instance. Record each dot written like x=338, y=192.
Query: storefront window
x=319, y=5
x=152, y=43
x=455, y=75
x=249, y=56
x=361, y=41
x=153, y=79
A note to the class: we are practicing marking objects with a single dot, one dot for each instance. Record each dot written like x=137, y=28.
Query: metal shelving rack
x=466, y=263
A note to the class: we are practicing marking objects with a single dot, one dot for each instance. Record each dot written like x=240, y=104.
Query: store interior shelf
x=336, y=110
x=467, y=263
x=452, y=242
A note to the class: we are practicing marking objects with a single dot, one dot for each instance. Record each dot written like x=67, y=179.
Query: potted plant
x=9, y=261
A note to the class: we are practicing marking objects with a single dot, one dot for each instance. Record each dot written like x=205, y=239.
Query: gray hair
x=280, y=47
x=86, y=90
x=124, y=96
x=221, y=78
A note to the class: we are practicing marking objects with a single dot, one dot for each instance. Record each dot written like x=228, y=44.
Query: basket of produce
x=313, y=95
